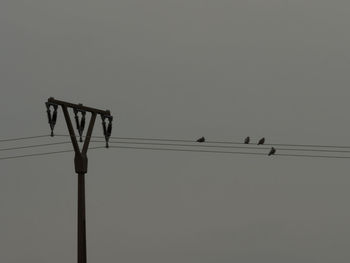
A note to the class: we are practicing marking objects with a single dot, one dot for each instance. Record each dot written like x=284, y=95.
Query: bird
x=261, y=141
x=247, y=140
x=272, y=151
x=201, y=139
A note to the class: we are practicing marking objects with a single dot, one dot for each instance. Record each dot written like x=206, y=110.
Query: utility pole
x=80, y=159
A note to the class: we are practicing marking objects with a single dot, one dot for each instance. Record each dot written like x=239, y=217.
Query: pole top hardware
x=79, y=111
x=80, y=107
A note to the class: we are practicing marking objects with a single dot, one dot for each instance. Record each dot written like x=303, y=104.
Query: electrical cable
x=182, y=150
x=228, y=152
x=23, y=138
x=181, y=140
x=229, y=142
x=204, y=145
x=225, y=146
x=217, y=142
x=32, y=146
x=138, y=141
x=179, y=150
x=40, y=154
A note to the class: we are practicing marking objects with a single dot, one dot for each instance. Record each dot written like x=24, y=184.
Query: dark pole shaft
x=81, y=219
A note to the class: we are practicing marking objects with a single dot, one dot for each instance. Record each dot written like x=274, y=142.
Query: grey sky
x=178, y=69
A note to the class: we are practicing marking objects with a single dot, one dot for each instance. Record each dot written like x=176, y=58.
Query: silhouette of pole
x=80, y=160
x=81, y=219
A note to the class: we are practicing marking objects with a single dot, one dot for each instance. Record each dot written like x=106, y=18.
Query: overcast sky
x=178, y=69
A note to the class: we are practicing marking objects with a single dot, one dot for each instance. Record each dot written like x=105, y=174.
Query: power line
x=225, y=146
x=194, y=144
x=23, y=138
x=228, y=142
x=180, y=150
x=188, y=141
x=183, y=150
x=32, y=146
x=219, y=142
x=314, y=156
x=40, y=154
x=181, y=145
x=227, y=152
x=310, y=145
x=158, y=142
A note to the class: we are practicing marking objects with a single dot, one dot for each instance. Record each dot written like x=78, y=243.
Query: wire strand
x=23, y=138
x=32, y=146
x=193, y=144
x=218, y=142
x=182, y=150
x=314, y=156
x=178, y=150
x=227, y=152
x=41, y=154
x=229, y=142
x=225, y=146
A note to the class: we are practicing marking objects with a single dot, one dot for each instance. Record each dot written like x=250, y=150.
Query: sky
x=178, y=69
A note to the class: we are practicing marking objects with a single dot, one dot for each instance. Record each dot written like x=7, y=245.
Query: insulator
x=80, y=135
x=76, y=117
x=109, y=129
x=51, y=118
x=77, y=122
x=48, y=112
x=54, y=117
x=106, y=130
x=82, y=125
x=82, y=122
x=104, y=127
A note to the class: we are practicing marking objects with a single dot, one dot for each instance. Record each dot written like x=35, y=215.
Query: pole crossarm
x=105, y=113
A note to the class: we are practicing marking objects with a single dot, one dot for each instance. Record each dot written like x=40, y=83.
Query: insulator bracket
x=107, y=128
x=52, y=117
x=80, y=122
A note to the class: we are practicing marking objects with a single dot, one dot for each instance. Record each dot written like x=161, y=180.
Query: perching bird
x=272, y=151
x=201, y=139
x=247, y=140
x=261, y=141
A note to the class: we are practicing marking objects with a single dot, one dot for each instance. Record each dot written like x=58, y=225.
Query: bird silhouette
x=272, y=151
x=261, y=141
x=247, y=140
x=201, y=139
